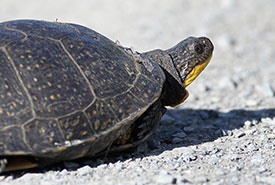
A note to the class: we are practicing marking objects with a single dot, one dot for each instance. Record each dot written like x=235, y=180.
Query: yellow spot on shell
x=35, y=79
x=104, y=124
x=145, y=95
x=22, y=56
x=41, y=130
x=76, y=122
x=50, y=139
x=28, y=86
x=27, y=128
x=6, y=86
x=14, y=104
x=49, y=74
x=49, y=83
x=28, y=50
x=1, y=111
x=120, y=110
x=28, y=68
x=69, y=135
x=9, y=94
x=83, y=133
x=52, y=97
x=66, y=124
x=59, y=86
x=29, y=56
x=36, y=65
x=21, y=65
x=97, y=122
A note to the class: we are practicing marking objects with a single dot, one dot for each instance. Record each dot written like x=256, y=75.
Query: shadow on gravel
x=207, y=125
x=191, y=127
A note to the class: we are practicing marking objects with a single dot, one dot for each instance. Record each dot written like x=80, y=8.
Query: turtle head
x=181, y=64
x=190, y=57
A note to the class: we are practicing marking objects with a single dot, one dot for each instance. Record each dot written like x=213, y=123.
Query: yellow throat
x=195, y=72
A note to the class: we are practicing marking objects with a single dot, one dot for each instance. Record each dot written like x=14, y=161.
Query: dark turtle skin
x=67, y=92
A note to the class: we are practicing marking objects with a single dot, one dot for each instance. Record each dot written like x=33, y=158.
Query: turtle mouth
x=195, y=72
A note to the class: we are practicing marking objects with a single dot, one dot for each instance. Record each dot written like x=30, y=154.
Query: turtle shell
x=66, y=91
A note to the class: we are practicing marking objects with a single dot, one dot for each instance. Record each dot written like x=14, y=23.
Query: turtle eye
x=199, y=49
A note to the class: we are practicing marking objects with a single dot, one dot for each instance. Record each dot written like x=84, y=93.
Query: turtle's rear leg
x=3, y=164
x=17, y=163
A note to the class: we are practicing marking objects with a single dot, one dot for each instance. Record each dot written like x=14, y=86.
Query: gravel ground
x=224, y=133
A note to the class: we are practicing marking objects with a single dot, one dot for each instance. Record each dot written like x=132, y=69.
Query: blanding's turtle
x=67, y=91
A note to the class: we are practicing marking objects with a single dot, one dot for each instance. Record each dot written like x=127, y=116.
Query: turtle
x=68, y=92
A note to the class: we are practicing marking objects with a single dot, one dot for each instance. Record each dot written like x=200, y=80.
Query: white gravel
x=224, y=133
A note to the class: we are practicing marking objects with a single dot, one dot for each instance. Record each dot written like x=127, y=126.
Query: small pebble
x=204, y=114
x=153, y=144
x=266, y=90
x=188, y=156
x=164, y=178
x=201, y=179
x=220, y=132
x=251, y=131
x=251, y=103
x=142, y=148
x=190, y=129
x=268, y=121
x=84, y=170
x=219, y=123
x=71, y=165
x=271, y=136
x=167, y=120
x=180, y=135
x=235, y=157
x=213, y=159
x=248, y=124
x=177, y=140
x=64, y=173
x=257, y=159
x=238, y=134
x=266, y=179
x=252, y=147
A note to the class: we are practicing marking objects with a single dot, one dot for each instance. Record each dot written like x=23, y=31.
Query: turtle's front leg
x=142, y=128
x=139, y=131
x=147, y=124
